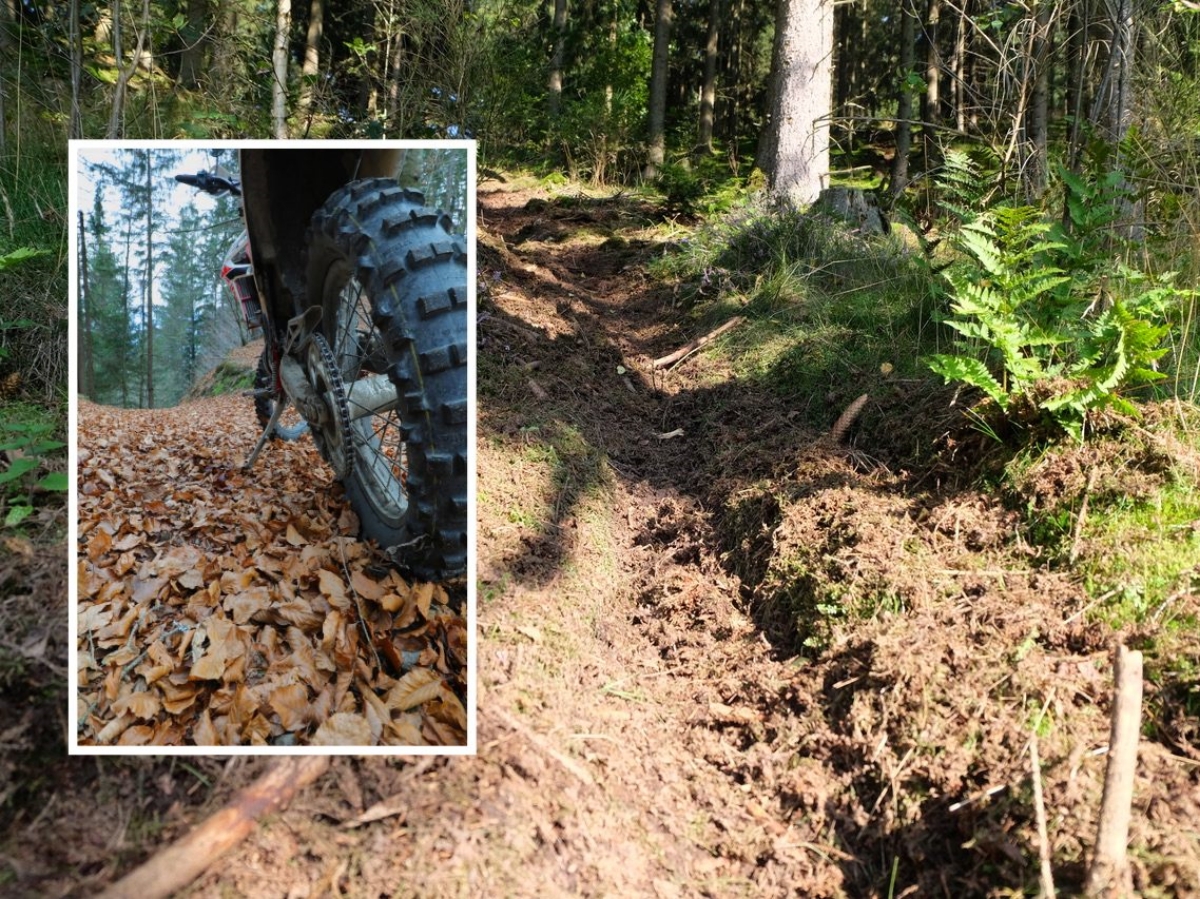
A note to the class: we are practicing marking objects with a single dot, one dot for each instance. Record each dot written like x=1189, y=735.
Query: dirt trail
x=649, y=725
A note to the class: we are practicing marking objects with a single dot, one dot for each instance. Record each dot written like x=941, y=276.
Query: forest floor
x=654, y=720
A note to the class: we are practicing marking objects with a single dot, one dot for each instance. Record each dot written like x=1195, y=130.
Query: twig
x=1082, y=516
x=685, y=351
x=1039, y=808
x=179, y=864
x=1109, y=874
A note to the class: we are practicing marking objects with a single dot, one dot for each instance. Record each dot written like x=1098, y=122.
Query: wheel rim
x=380, y=459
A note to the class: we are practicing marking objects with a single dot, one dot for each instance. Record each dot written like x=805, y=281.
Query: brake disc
x=335, y=436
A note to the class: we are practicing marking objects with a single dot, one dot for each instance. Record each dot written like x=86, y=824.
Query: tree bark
x=794, y=154
x=279, y=65
x=1109, y=873
x=958, y=70
x=312, y=54
x=1036, y=169
x=904, y=108
x=87, y=374
x=149, y=284
x=116, y=119
x=657, y=129
x=555, y=85
x=175, y=867
x=195, y=45
x=933, y=64
x=75, y=126
x=708, y=89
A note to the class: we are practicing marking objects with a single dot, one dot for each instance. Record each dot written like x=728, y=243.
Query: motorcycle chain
x=341, y=456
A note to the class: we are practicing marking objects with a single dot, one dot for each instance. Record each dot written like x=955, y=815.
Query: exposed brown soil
x=739, y=661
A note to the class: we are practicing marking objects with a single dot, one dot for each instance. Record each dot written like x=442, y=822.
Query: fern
x=1024, y=297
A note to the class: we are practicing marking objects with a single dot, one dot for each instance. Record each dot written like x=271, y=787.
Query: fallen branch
x=696, y=344
x=1039, y=809
x=1109, y=874
x=178, y=865
x=1077, y=531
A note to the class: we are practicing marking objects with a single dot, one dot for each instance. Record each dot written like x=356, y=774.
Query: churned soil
x=720, y=654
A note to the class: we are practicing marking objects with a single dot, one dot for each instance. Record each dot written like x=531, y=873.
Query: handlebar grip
x=191, y=181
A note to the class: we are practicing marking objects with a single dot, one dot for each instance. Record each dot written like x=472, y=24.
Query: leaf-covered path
x=224, y=607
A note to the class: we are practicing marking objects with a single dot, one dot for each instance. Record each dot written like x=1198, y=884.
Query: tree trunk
x=1036, y=169
x=555, y=85
x=1076, y=66
x=312, y=54
x=657, y=129
x=7, y=17
x=933, y=64
x=708, y=90
x=116, y=119
x=794, y=154
x=75, y=126
x=87, y=374
x=931, y=102
x=908, y=55
x=149, y=284
x=279, y=65
x=958, y=70
x=1114, y=103
x=195, y=45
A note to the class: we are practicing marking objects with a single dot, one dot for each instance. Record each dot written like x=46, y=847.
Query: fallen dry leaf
x=220, y=608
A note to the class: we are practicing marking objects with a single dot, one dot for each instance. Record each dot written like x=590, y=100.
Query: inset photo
x=272, y=427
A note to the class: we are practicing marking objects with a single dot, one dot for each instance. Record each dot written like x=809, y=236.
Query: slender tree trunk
x=958, y=70
x=75, y=126
x=845, y=64
x=1037, y=119
x=932, y=100
x=149, y=285
x=312, y=54
x=904, y=110
x=1116, y=114
x=195, y=45
x=87, y=372
x=657, y=130
x=116, y=120
x=708, y=90
x=7, y=17
x=279, y=66
x=127, y=316
x=933, y=64
x=555, y=85
x=794, y=154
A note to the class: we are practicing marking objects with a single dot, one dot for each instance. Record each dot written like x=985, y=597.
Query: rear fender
x=281, y=189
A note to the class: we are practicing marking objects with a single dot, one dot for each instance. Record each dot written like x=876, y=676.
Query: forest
x=838, y=451
x=151, y=250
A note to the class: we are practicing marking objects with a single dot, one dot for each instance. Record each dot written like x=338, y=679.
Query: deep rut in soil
x=651, y=720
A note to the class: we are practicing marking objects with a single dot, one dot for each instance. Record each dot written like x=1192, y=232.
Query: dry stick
x=1109, y=874
x=697, y=343
x=1079, y=519
x=1039, y=808
x=179, y=864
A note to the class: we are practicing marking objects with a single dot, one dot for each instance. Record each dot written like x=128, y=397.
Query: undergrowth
x=1060, y=330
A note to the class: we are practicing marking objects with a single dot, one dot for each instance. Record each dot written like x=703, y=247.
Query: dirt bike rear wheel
x=392, y=283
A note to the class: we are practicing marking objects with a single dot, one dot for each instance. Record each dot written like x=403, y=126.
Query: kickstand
x=262, y=440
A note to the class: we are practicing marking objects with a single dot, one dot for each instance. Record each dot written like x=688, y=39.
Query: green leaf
x=17, y=514
x=56, y=480
x=18, y=256
x=969, y=371
x=18, y=468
